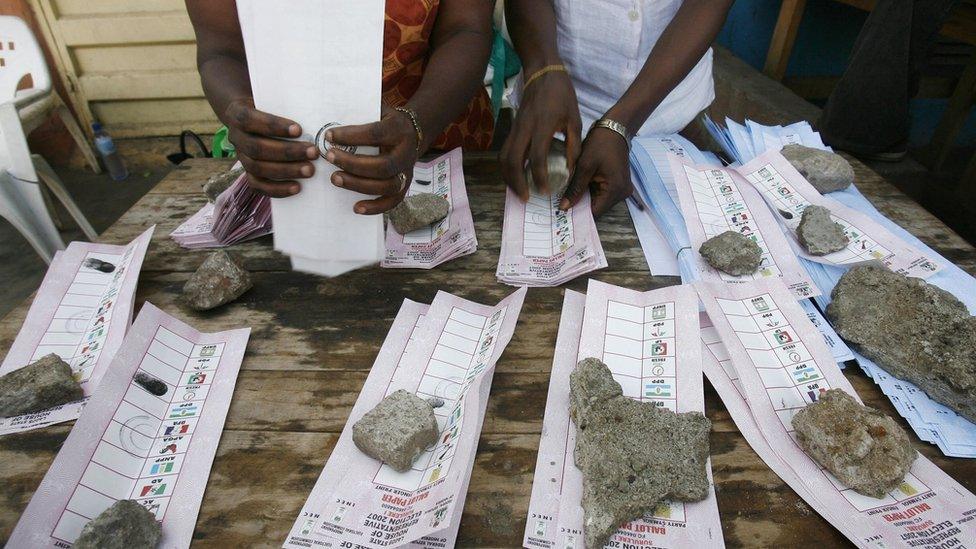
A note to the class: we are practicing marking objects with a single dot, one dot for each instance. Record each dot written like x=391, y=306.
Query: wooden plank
x=136, y=57
x=784, y=36
x=151, y=84
x=140, y=28
x=101, y=7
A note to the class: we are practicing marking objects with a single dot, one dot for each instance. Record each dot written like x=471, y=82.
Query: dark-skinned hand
x=548, y=106
x=604, y=168
x=273, y=163
x=375, y=175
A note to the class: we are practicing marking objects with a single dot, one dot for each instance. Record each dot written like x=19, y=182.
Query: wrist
x=412, y=124
x=632, y=118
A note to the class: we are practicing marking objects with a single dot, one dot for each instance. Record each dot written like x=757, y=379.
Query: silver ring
x=324, y=145
x=403, y=180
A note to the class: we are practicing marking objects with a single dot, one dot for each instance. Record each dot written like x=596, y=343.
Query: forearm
x=454, y=73
x=681, y=46
x=225, y=79
x=532, y=26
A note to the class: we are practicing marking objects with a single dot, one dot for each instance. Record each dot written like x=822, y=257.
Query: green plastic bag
x=221, y=145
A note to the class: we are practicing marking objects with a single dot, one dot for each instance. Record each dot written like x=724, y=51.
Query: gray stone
x=397, y=430
x=43, y=384
x=914, y=330
x=818, y=233
x=417, y=211
x=220, y=182
x=826, y=171
x=732, y=253
x=219, y=280
x=558, y=170
x=632, y=454
x=124, y=525
x=865, y=449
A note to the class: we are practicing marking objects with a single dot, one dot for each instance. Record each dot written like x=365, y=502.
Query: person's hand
x=273, y=164
x=387, y=174
x=548, y=106
x=604, y=168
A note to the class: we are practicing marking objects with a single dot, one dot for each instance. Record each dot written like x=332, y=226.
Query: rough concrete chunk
x=219, y=280
x=826, y=171
x=124, y=525
x=417, y=211
x=557, y=169
x=732, y=253
x=865, y=449
x=38, y=386
x=914, y=330
x=219, y=183
x=632, y=454
x=397, y=430
x=818, y=233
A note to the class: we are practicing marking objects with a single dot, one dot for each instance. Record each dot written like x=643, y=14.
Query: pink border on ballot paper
x=101, y=340
x=770, y=342
x=48, y=522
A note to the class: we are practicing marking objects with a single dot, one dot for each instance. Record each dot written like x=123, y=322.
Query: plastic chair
x=24, y=178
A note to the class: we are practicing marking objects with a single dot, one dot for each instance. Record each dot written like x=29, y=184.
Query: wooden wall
x=129, y=64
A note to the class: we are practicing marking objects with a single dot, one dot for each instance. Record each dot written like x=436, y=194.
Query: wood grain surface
x=314, y=339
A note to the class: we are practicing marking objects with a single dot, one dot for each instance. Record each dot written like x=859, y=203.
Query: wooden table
x=313, y=340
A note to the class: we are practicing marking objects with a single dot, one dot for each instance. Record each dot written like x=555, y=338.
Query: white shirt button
x=634, y=16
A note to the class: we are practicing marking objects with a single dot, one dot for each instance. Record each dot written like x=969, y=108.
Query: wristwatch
x=614, y=126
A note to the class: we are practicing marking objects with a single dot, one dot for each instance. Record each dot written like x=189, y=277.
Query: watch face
x=324, y=146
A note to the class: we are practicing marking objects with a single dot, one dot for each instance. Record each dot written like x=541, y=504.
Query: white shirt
x=604, y=44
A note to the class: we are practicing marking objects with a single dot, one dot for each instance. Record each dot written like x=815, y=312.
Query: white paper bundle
x=318, y=62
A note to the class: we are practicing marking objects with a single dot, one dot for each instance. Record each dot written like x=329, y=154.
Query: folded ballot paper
x=543, y=245
x=447, y=352
x=319, y=64
x=649, y=341
x=450, y=238
x=149, y=434
x=767, y=361
x=931, y=421
x=239, y=214
x=81, y=312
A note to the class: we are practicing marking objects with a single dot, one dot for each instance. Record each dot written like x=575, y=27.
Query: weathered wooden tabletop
x=313, y=340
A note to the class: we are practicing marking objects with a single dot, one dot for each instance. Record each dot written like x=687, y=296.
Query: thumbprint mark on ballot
x=98, y=265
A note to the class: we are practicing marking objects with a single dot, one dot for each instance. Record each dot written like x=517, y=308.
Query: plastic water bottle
x=110, y=156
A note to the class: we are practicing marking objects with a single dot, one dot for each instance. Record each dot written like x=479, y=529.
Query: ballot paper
x=80, y=313
x=543, y=245
x=651, y=164
x=716, y=200
x=788, y=193
x=239, y=214
x=319, y=63
x=447, y=352
x=661, y=261
x=931, y=421
x=782, y=366
x=135, y=441
x=450, y=238
x=649, y=341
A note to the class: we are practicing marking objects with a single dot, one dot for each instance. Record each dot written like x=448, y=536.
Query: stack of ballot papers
x=447, y=239
x=446, y=353
x=649, y=340
x=767, y=362
x=239, y=214
x=149, y=434
x=543, y=245
x=954, y=435
x=81, y=314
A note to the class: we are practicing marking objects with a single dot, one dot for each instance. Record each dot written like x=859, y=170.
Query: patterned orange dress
x=406, y=44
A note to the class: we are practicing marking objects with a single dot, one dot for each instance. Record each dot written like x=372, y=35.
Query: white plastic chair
x=24, y=177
